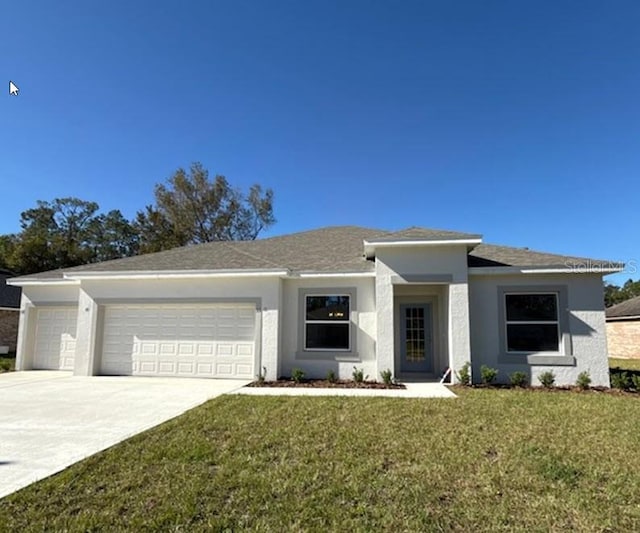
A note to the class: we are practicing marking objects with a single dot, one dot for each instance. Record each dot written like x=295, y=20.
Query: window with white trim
x=532, y=322
x=327, y=323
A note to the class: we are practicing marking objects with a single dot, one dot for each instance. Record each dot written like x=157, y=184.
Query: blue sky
x=517, y=120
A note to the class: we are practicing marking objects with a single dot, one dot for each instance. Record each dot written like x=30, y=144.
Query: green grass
x=625, y=364
x=492, y=459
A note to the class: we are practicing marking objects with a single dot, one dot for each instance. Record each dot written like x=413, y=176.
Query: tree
x=191, y=209
x=65, y=233
x=154, y=231
x=613, y=294
x=7, y=247
x=112, y=236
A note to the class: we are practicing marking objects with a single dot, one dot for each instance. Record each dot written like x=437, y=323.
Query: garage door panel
x=55, y=338
x=179, y=340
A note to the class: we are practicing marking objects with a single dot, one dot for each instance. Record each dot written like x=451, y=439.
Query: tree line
x=614, y=294
x=190, y=208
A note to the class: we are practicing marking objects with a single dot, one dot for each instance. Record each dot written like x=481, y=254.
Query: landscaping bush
x=635, y=381
x=5, y=366
x=464, y=376
x=488, y=374
x=547, y=379
x=519, y=379
x=358, y=375
x=331, y=376
x=387, y=377
x=297, y=375
x=584, y=380
x=620, y=380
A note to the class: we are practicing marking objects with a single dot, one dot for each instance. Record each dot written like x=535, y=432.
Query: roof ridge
x=318, y=230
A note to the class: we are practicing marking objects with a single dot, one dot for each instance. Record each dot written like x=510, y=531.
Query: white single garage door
x=187, y=340
x=55, y=338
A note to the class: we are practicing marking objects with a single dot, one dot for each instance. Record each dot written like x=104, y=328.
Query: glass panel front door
x=415, y=338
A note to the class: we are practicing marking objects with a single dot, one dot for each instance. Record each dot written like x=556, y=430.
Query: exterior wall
x=9, y=328
x=363, y=314
x=586, y=324
x=32, y=298
x=623, y=338
x=428, y=260
x=96, y=293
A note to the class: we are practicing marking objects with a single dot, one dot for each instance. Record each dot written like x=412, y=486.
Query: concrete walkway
x=50, y=420
x=413, y=390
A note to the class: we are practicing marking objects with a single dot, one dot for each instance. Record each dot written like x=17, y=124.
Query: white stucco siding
x=34, y=297
x=363, y=315
x=424, y=261
x=95, y=294
x=586, y=324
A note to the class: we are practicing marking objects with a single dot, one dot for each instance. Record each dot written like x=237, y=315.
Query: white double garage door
x=186, y=340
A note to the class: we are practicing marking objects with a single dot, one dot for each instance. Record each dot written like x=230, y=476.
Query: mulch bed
x=561, y=388
x=324, y=384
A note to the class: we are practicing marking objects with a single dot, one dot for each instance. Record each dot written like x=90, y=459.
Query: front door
x=416, y=354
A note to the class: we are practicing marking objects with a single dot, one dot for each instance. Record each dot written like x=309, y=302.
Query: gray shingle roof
x=628, y=308
x=492, y=255
x=9, y=296
x=332, y=249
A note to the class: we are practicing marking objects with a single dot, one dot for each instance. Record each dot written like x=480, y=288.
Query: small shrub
x=519, y=379
x=635, y=381
x=331, y=376
x=547, y=379
x=464, y=376
x=620, y=380
x=262, y=375
x=584, y=380
x=387, y=377
x=358, y=375
x=297, y=375
x=488, y=374
x=5, y=366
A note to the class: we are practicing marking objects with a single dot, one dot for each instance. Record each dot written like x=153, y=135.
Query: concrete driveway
x=50, y=420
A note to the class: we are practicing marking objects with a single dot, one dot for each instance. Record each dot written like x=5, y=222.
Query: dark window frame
x=564, y=355
x=351, y=355
x=332, y=322
x=531, y=322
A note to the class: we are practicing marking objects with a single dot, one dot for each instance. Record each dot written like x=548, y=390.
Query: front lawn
x=624, y=364
x=491, y=459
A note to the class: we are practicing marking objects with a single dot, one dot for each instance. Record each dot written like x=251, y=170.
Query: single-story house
x=623, y=329
x=9, y=313
x=416, y=302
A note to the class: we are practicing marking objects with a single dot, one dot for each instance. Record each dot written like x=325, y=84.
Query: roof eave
x=622, y=318
x=175, y=274
x=29, y=282
x=494, y=271
x=316, y=274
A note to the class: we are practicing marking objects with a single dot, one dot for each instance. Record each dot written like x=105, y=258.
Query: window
x=327, y=323
x=532, y=322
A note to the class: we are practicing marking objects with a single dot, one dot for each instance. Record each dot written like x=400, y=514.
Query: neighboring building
x=415, y=301
x=623, y=329
x=9, y=314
